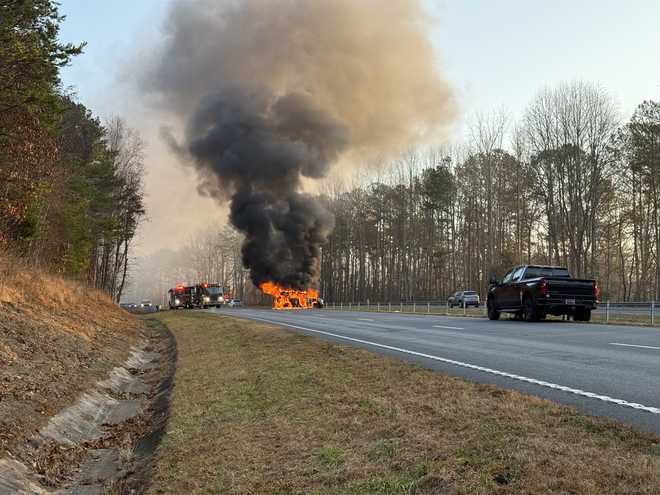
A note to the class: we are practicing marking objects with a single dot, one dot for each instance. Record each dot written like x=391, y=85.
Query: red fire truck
x=210, y=295
x=181, y=297
x=197, y=296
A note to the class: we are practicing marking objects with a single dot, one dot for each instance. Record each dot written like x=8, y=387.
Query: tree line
x=568, y=184
x=71, y=190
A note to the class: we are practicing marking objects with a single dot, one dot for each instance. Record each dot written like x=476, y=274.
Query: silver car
x=466, y=297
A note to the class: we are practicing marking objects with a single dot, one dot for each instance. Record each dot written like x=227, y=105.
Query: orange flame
x=284, y=298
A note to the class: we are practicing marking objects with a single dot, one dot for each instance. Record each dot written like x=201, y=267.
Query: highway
x=604, y=370
x=640, y=311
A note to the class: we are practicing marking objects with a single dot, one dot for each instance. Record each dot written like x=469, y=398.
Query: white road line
x=575, y=391
x=365, y=319
x=633, y=345
x=450, y=328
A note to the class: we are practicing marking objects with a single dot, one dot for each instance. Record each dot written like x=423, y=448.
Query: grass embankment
x=257, y=409
x=57, y=338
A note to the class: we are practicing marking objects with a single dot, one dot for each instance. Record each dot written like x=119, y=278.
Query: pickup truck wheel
x=530, y=313
x=493, y=314
x=582, y=315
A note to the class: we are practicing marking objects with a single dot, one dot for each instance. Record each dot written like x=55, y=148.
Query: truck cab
x=210, y=295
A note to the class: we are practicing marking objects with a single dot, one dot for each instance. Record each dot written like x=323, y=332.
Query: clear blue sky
x=496, y=53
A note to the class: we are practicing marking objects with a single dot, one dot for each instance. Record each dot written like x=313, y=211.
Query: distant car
x=146, y=306
x=315, y=302
x=466, y=297
x=234, y=303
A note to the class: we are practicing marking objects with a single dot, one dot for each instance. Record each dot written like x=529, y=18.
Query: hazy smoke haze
x=271, y=92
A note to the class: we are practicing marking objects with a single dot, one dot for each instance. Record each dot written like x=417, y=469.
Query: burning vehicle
x=285, y=298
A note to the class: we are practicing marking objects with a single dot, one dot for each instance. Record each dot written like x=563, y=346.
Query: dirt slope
x=56, y=340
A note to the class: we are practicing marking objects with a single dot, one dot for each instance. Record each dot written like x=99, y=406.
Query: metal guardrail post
x=350, y=306
x=652, y=312
x=358, y=306
x=447, y=308
x=389, y=307
x=401, y=307
x=378, y=307
x=414, y=307
x=464, y=309
x=341, y=307
x=428, y=308
x=607, y=312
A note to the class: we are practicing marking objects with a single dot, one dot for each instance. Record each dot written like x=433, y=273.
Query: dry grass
x=257, y=409
x=57, y=338
x=61, y=304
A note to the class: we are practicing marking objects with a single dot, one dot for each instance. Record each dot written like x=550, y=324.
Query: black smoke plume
x=271, y=92
x=259, y=146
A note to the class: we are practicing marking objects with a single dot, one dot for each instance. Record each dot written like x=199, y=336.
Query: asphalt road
x=617, y=310
x=605, y=370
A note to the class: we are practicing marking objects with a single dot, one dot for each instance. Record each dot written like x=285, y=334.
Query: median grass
x=258, y=410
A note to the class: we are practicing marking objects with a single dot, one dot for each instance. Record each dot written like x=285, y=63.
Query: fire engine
x=208, y=295
x=180, y=297
x=197, y=296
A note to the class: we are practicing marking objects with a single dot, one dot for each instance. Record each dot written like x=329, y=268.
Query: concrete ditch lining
x=117, y=425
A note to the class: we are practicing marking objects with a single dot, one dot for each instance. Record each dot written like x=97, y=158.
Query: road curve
x=605, y=370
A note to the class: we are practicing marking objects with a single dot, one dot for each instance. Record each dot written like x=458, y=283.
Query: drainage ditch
x=102, y=443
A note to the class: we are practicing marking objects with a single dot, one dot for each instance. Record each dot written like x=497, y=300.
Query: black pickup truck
x=532, y=292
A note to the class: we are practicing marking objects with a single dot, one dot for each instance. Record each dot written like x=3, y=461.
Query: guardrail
x=610, y=312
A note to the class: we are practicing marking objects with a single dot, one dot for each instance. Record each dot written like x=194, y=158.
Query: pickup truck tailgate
x=562, y=289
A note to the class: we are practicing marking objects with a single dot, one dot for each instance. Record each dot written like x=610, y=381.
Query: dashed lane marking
x=554, y=386
x=450, y=328
x=635, y=345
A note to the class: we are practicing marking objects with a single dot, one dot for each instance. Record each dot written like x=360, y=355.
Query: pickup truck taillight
x=596, y=291
x=543, y=287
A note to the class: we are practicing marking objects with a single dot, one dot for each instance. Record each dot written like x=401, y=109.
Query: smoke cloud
x=270, y=92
